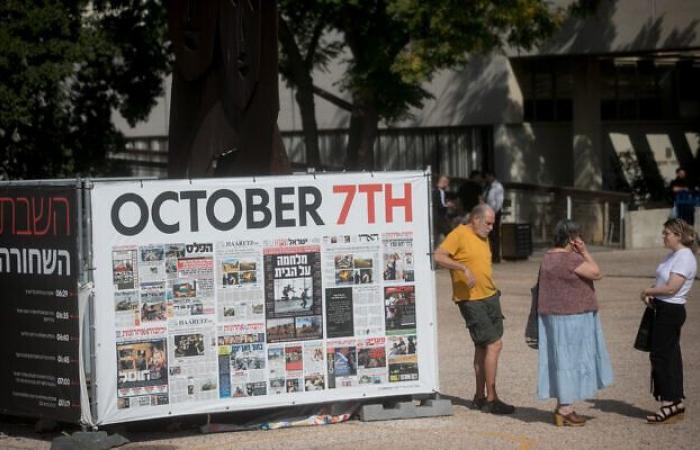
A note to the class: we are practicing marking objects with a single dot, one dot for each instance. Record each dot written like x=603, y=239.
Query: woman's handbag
x=643, y=340
x=532, y=330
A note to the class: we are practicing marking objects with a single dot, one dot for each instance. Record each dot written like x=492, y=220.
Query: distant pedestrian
x=573, y=358
x=683, y=203
x=465, y=251
x=668, y=295
x=440, y=203
x=493, y=196
x=680, y=183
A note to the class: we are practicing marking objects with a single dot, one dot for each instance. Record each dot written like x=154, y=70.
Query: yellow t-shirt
x=473, y=251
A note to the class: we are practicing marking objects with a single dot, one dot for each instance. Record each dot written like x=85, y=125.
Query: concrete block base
x=406, y=410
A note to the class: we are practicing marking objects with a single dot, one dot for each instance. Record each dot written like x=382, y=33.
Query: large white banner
x=232, y=294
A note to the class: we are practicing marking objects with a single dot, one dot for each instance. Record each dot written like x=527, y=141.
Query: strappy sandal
x=667, y=414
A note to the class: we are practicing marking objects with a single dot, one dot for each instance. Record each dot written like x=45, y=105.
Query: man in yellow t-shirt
x=466, y=252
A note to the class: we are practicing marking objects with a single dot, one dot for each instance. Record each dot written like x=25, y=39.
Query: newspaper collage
x=228, y=319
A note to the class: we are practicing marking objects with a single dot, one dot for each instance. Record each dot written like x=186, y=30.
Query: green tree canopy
x=64, y=67
x=397, y=45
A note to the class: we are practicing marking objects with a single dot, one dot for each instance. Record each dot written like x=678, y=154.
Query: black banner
x=39, y=270
x=339, y=320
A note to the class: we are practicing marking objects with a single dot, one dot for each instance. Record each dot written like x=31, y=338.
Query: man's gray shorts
x=484, y=319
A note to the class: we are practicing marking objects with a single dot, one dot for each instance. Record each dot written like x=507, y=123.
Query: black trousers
x=665, y=355
x=495, y=239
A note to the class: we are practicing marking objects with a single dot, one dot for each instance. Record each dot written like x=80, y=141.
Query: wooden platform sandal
x=667, y=414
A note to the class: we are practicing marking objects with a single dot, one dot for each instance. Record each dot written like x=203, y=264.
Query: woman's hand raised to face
x=578, y=245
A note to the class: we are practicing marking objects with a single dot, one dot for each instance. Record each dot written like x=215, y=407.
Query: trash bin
x=516, y=240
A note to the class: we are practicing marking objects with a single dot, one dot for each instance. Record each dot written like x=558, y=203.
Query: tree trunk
x=363, y=132
x=299, y=74
x=307, y=108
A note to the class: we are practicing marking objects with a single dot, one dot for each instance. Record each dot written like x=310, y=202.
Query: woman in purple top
x=674, y=278
x=573, y=358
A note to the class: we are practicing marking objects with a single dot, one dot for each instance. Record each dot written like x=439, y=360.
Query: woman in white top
x=674, y=278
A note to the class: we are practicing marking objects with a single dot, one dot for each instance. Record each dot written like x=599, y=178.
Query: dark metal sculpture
x=223, y=114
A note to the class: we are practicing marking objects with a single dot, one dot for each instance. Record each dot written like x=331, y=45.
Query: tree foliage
x=305, y=45
x=64, y=68
x=396, y=46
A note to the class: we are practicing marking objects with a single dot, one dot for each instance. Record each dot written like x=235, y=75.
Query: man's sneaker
x=497, y=407
x=478, y=402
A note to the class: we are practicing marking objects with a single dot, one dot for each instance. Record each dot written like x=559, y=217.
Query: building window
x=547, y=89
x=689, y=90
x=650, y=89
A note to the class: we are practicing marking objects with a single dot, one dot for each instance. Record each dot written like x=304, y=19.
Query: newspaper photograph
x=398, y=257
x=239, y=282
x=341, y=358
x=151, y=263
x=287, y=367
x=400, y=309
x=353, y=268
x=193, y=360
x=276, y=369
x=124, y=272
x=239, y=264
x=371, y=360
x=403, y=359
x=127, y=312
x=154, y=307
x=173, y=253
x=314, y=366
x=351, y=260
x=191, y=293
x=142, y=373
x=242, y=360
x=293, y=299
x=294, y=366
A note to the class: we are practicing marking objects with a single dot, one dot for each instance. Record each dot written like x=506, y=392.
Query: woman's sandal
x=568, y=420
x=667, y=414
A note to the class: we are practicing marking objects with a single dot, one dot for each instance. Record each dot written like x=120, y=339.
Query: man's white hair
x=480, y=211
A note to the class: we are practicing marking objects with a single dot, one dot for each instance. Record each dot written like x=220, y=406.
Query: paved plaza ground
x=615, y=416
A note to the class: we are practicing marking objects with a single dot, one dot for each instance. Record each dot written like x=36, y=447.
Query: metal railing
x=454, y=151
x=146, y=156
x=601, y=214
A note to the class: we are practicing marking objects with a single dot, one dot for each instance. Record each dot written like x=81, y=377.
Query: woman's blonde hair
x=685, y=231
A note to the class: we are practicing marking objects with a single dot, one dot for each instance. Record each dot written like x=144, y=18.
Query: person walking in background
x=668, y=295
x=679, y=184
x=470, y=191
x=683, y=204
x=573, y=358
x=440, y=220
x=465, y=251
x=493, y=196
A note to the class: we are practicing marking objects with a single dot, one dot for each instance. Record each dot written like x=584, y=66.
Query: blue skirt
x=573, y=358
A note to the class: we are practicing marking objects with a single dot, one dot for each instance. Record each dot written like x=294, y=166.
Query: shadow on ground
x=618, y=407
x=522, y=413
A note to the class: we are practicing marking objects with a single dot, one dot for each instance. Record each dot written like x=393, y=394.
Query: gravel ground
x=615, y=416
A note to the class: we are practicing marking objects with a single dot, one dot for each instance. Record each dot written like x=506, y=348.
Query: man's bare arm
x=443, y=258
